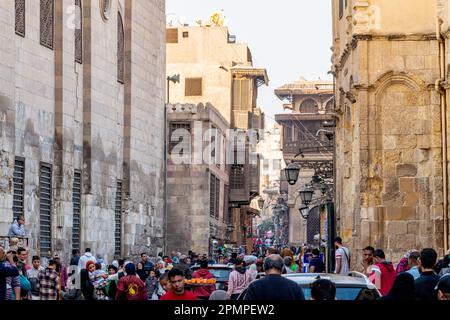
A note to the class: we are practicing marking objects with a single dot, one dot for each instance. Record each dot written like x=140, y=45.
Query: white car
x=355, y=286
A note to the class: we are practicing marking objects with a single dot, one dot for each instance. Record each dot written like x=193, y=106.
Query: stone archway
x=400, y=163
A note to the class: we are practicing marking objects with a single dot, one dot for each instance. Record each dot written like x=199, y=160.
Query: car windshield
x=220, y=273
x=346, y=294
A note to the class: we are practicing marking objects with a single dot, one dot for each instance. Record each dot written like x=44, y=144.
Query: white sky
x=290, y=38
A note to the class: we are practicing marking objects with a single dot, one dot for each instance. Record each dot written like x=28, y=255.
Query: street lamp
x=292, y=171
x=261, y=202
x=175, y=79
x=304, y=211
x=307, y=195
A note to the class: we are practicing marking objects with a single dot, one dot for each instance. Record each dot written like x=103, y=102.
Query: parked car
x=221, y=273
x=355, y=286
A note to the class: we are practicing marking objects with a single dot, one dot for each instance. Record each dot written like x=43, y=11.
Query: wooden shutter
x=172, y=35
x=193, y=87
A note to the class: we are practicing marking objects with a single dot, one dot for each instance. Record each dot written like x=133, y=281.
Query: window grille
x=45, y=192
x=78, y=32
x=20, y=17
x=118, y=220
x=19, y=169
x=120, y=50
x=76, y=200
x=237, y=176
x=47, y=23
x=184, y=138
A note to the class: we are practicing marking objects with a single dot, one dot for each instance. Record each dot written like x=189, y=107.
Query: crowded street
x=233, y=155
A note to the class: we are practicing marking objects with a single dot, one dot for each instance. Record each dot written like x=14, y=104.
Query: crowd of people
x=419, y=275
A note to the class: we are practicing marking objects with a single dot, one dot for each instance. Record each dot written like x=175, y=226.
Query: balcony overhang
x=280, y=118
x=259, y=74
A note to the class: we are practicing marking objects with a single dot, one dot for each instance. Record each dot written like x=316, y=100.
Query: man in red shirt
x=203, y=292
x=176, y=278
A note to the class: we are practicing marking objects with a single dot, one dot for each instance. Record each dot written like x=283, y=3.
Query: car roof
x=337, y=279
x=215, y=266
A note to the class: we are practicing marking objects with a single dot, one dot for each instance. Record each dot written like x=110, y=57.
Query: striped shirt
x=48, y=284
x=11, y=283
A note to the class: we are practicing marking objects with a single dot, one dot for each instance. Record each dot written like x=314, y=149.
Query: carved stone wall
x=388, y=135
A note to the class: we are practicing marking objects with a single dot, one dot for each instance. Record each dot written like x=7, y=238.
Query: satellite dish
x=170, y=18
x=182, y=21
x=199, y=22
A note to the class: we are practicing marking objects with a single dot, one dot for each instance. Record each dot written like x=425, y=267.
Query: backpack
x=25, y=284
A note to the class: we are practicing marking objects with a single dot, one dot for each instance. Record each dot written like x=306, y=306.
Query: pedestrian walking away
x=342, y=257
x=268, y=288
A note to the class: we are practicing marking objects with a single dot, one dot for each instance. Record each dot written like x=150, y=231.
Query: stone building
x=82, y=88
x=390, y=60
x=272, y=162
x=215, y=69
x=197, y=196
x=304, y=141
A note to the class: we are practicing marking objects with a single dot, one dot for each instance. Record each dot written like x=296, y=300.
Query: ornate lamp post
x=292, y=171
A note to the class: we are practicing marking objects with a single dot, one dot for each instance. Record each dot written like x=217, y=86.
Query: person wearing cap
x=443, y=288
x=131, y=287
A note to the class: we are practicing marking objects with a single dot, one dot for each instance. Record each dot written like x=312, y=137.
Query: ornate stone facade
x=389, y=137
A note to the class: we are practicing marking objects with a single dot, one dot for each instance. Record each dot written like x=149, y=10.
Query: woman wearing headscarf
x=140, y=271
x=403, y=288
x=403, y=265
x=87, y=288
x=131, y=287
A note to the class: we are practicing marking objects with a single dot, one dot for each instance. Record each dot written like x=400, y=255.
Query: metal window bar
x=118, y=220
x=237, y=176
x=76, y=200
x=183, y=139
x=18, y=179
x=45, y=192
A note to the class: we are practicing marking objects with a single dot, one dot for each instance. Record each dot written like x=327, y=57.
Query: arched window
x=330, y=106
x=120, y=50
x=20, y=17
x=309, y=106
x=78, y=32
x=47, y=23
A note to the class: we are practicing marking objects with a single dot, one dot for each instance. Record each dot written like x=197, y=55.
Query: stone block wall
x=79, y=117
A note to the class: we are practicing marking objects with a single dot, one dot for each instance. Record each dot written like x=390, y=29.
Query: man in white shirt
x=342, y=257
x=87, y=256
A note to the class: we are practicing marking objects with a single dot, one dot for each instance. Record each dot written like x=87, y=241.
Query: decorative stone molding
x=366, y=17
x=405, y=78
